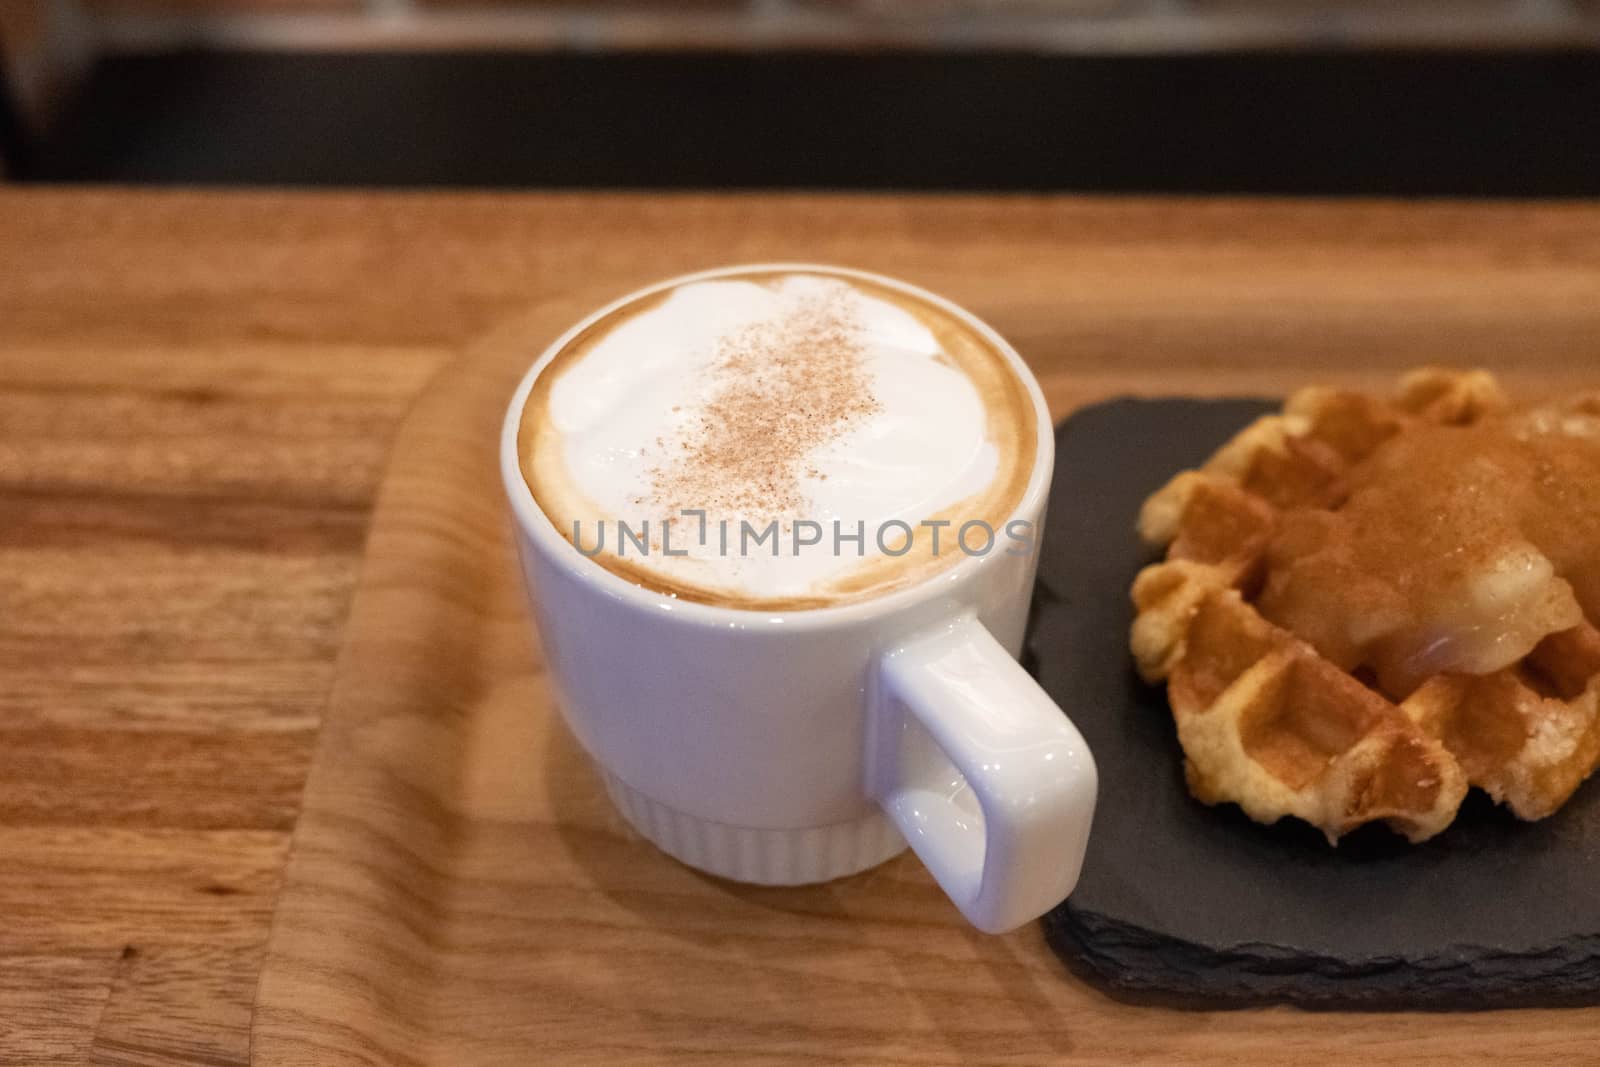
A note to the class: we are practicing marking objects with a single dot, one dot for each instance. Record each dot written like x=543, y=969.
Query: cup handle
x=990, y=784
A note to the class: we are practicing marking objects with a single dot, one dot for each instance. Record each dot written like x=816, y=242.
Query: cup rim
x=539, y=528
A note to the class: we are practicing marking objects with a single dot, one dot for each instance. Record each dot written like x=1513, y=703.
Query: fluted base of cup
x=759, y=856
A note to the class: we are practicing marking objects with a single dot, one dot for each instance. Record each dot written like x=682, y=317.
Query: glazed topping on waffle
x=1368, y=605
x=1457, y=548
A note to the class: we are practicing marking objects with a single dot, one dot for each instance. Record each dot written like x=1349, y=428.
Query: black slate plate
x=1191, y=905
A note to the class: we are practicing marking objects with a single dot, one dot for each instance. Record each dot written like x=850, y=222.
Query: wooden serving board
x=460, y=891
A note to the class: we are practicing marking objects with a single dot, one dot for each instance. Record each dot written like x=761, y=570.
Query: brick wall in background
x=34, y=73
x=21, y=24
x=46, y=44
x=1062, y=25
x=216, y=7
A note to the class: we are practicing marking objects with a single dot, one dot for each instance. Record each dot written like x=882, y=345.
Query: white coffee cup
x=792, y=747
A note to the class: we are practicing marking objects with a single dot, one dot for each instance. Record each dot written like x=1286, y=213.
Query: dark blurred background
x=1388, y=97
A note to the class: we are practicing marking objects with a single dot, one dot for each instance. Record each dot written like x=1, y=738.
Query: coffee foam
x=768, y=397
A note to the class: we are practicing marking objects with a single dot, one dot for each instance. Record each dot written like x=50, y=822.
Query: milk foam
x=625, y=409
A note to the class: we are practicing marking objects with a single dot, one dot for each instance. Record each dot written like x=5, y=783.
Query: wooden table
x=196, y=392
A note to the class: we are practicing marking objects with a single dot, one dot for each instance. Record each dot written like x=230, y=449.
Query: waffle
x=1368, y=606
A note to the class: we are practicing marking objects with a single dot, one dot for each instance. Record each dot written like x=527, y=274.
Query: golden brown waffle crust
x=1270, y=723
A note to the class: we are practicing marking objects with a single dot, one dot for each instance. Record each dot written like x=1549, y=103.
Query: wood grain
x=197, y=395
x=461, y=892
x=194, y=410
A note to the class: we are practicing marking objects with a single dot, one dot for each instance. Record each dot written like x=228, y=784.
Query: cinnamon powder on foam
x=779, y=389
